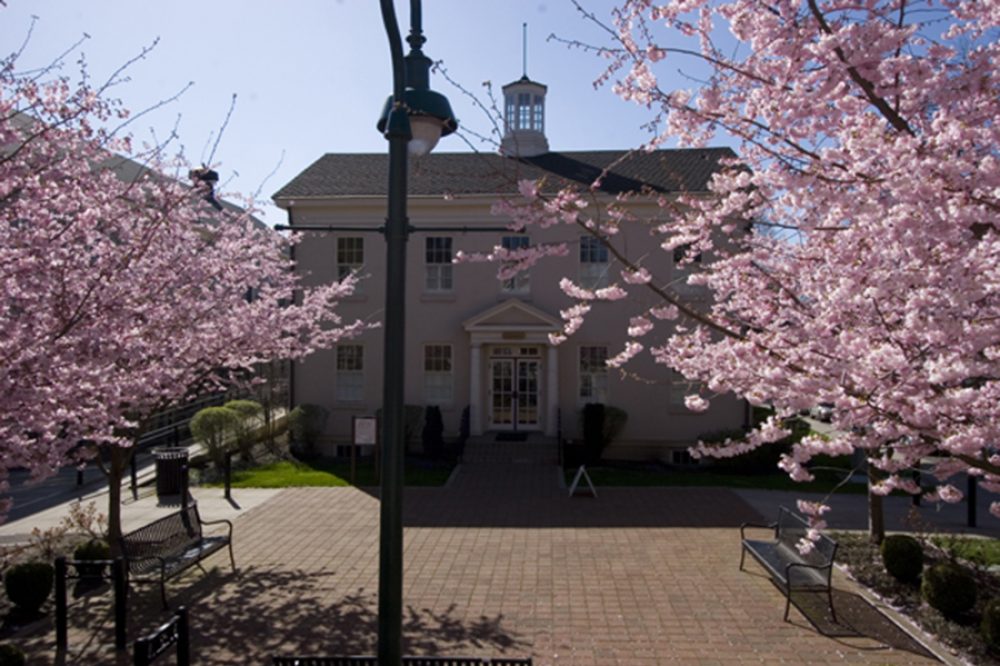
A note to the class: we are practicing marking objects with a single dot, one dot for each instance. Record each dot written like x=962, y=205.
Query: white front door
x=514, y=391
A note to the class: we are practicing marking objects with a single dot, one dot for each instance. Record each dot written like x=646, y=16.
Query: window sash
x=438, y=375
x=350, y=382
x=438, y=259
x=593, y=374
x=350, y=256
x=520, y=283
x=594, y=263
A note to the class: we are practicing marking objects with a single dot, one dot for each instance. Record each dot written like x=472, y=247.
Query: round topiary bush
x=95, y=549
x=990, y=626
x=11, y=655
x=949, y=588
x=903, y=557
x=28, y=585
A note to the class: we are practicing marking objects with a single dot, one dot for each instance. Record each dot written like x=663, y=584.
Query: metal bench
x=170, y=634
x=408, y=661
x=170, y=545
x=783, y=561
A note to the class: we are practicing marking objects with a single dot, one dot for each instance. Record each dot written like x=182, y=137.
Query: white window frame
x=351, y=259
x=438, y=256
x=592, y=370
x=439, y=374
x=520, y=283
x=595, y=263
x=350, y=368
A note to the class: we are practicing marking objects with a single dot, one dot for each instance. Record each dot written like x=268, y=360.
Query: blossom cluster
x=852, y=253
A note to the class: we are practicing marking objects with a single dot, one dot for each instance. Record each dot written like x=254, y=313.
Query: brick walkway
x=502, y=562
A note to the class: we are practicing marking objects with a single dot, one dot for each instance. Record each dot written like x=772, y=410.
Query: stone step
x=536, y=450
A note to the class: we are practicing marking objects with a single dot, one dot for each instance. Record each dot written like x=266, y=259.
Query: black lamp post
x=413, y=120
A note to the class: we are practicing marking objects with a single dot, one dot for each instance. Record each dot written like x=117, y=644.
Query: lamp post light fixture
x=413, y=120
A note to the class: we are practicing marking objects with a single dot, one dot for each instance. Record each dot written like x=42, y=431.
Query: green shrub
x=246, y=408
x=615, y=419
x=949, y=588
x=413, y=423
x=306, y=424
x=433, y=432
x=245, y=427
x=990, y=626
x=95, y=549
x=212, y=426
x=903, y=557
x=593, y=431
x=11, y=655
x=28, y=585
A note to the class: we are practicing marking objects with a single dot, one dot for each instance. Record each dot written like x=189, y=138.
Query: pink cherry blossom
x=848, y=255
x=125, y=290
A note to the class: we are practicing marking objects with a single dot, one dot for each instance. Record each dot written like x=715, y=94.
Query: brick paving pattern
x=501, y=561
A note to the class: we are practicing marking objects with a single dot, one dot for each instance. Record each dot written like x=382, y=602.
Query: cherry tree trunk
x=876, y=515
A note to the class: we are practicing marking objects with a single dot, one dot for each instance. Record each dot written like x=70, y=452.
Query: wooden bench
x=783, y=561
x=167, y=546
x=408, y=661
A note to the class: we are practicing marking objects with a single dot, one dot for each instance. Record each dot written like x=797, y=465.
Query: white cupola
x=524, y=119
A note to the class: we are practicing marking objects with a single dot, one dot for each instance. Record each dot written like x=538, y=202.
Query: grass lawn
x=328, y=473
x=614, y=476
x=984, y=552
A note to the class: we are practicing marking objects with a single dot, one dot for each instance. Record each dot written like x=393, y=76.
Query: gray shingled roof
x=366, y=174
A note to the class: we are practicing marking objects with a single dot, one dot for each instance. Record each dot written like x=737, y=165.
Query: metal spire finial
x=524, y=49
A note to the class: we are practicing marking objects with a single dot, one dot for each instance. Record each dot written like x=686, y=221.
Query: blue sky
x=311, y=75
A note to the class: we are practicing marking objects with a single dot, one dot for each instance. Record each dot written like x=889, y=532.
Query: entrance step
x=536, y=449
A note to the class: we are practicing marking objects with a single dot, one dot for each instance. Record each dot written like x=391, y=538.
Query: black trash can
x=171, y=462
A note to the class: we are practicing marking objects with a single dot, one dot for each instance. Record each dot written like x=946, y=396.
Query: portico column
x=475, y=389
x=552, y=392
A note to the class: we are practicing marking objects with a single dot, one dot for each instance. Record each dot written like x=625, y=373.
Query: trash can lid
x=170, y=452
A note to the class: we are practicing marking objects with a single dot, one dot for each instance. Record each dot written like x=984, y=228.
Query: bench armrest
x=229, y=523
x=768, y=526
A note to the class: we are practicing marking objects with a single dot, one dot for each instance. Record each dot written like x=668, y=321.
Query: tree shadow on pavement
x=258, y=613
x=856, y=619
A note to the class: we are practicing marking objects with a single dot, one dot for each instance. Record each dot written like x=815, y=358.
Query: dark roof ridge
x=663, y=170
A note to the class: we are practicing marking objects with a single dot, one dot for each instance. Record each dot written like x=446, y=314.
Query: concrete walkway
x=500, y=562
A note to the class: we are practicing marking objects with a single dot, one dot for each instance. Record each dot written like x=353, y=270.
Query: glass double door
x=514, y=389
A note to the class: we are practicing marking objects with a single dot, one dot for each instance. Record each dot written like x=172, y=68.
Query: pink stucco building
x=477, y=342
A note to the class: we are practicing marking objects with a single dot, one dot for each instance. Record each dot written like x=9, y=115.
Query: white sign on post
x=365, y=430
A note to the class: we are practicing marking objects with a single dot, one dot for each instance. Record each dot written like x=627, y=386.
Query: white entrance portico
x=513, y=369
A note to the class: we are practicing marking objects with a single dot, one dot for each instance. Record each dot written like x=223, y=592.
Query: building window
x=593, y=263
x=520, y=283
x=523, y=111
x=511, y=115
x=438, y=377
x=350, y=373
x=350, y=256
x=593, y=374
x=438, y=259
x=538, y=115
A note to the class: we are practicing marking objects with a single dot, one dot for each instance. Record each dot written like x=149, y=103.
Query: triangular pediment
x=512, y=314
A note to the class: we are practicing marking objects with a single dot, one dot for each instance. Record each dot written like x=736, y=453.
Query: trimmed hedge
x=949, y=588
x=903, y=557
